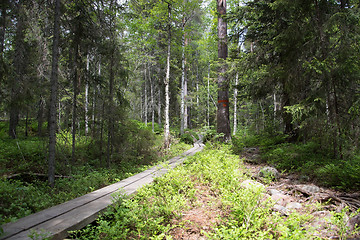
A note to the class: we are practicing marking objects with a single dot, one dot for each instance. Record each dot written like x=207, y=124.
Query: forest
x=94, y=91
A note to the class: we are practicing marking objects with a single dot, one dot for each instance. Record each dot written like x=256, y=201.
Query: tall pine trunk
x=19, y=65
x=53, y=95
x=110, y=112
x=223, y=120
x=3, y=9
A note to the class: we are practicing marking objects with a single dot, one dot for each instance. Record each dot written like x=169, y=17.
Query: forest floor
x=290, y=192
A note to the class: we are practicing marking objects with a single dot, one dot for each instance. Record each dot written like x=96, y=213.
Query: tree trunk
x=235, y=102
x=197, y=90
x=159, y=106
x=27, y=123
x=40, y=116
x=4, y=6
x=182, y=101
x=87, y=97
x=53, y=95
x=19, y=65
x=183, y=105
x=75, y=89
x=110, y=112
x=101, y=133
x=167, y=80
x=208, y=97
x=59, y=117
x=152, y=103
x=145, y=97
x=223, y=120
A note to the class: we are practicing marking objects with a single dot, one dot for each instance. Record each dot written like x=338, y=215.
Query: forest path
x=290, y=192
x=55, y=222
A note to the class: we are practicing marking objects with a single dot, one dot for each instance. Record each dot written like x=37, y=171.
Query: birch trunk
x=182, y=105
x=208, y=97
x=235, y=102
x=159, y=107
x=152, y=103
x=145, y=99
x=167, y=79
x=86, y=98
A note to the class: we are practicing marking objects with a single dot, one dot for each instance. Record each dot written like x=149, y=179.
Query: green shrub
x=187, y=138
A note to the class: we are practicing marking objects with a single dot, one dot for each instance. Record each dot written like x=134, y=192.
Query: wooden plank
x=79, y=212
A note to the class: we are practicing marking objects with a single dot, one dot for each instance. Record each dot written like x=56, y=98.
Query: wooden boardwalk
x=55, y=222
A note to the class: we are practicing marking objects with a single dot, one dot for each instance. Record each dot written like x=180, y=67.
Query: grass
x=206, y=184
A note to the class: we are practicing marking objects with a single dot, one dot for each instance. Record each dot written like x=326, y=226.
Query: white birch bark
x=182, y=104
x=159, y=106
x=87, y=98
x=167, y=79
x=208, y=97
x=235, y=102
x=145, y=99
x=152, y=103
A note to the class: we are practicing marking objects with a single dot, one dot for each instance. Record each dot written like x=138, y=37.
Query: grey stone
x=254, y=159
x=353, y=222
x=248, y=184
x=282, y=199
x=281, y=209
x=269, y=172
x=250, y=150
x=273, y=191
x=293, y=205
x=309, y=188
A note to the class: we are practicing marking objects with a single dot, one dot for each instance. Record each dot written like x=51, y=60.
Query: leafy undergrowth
x=311, y=160
x=21, y=196
x=202, y=199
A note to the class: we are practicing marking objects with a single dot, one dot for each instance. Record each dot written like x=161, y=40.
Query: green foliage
x=22, y=155
x=189, y=136
x=248, y=139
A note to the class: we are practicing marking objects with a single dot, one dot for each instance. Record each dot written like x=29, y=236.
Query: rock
x=250, y=150
x=321, y=219
x=273, y=191
x=269, y=172
x=353, y=222
x=322, y=223
x=248, y=184
x=253, y=159
x=281, y=209
x=293, y=205
x=309, y=188
x=282, y=199
x=304, y=178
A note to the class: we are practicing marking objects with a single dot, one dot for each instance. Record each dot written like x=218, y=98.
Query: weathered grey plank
x=79, y=212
